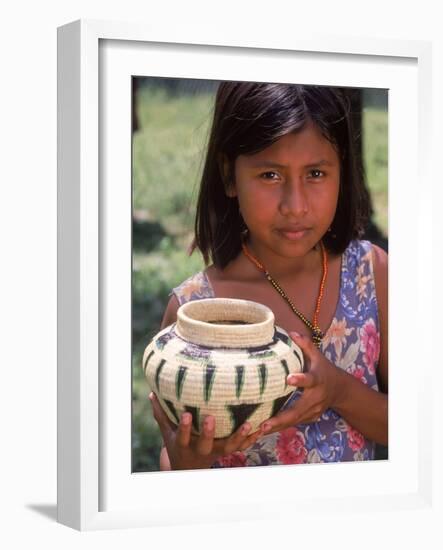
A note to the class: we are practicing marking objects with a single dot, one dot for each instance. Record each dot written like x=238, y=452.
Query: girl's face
x=288, y=192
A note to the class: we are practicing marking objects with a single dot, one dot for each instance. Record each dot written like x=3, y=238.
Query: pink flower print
x=233, y=460
x=370, y=344
x=290, y=448
x=192, y=288
x=337, y=334
x=362, y=281
x=358, y=372
x=355, y=439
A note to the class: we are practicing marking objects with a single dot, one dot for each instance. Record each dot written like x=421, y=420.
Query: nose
x=294, y=201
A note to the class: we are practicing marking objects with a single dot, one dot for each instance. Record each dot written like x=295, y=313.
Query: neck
x=280, y=266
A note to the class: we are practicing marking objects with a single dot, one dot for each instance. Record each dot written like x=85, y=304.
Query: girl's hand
x=187, y=451
x=320, y=384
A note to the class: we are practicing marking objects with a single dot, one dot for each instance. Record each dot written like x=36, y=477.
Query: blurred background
x=171, y=121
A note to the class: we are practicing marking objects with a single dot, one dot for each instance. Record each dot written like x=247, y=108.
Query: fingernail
x=151, y=396
x=266, y=427
x=186, y=418
x=295, y=333
x=245, y=429
x=292, y=379
x=209, y=422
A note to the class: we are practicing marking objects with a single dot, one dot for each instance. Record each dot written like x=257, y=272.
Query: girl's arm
x=326, y=386
x=365, y=409
x=170, y=314
x=165, y=463
x=381, y=284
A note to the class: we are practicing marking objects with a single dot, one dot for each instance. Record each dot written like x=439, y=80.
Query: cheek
x=331, y=196
x=257, y=204
x=324, y=199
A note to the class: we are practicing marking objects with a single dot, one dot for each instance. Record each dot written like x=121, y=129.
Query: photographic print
x=258, y=204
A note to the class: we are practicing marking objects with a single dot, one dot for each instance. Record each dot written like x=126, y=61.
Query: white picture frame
x=96, y=490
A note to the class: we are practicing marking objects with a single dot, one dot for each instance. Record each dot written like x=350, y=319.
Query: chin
x=297, y=244
x=293, y=250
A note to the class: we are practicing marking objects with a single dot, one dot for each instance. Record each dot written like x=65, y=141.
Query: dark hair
x=249, y=117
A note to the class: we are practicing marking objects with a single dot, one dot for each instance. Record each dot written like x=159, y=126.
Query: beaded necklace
x=317, y=334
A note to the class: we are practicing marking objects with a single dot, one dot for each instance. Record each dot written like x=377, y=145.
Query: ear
x=227, y=176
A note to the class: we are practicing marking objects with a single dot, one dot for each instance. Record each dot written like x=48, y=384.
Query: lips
x=293, y=232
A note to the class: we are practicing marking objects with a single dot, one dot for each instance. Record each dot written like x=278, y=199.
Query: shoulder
x=380, y=273
x=190, y=288
x=374, y=265
x=365, y=251
x=367, y=264
x=380, y=256
x=380, y=265
x=195, y=287
x=170, y=314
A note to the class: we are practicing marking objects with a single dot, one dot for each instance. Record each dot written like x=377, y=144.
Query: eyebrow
x=272, y=164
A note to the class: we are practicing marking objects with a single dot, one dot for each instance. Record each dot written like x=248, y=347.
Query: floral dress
x=352, y=343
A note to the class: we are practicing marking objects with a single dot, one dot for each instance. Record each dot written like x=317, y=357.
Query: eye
x=316, y=174
x=270, y=176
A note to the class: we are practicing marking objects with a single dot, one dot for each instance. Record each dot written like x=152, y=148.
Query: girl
x=281, y=207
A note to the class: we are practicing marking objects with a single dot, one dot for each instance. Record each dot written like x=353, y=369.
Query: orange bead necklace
x=317, y=334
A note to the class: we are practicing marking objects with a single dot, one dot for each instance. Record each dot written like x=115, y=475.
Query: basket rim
x=257, y=330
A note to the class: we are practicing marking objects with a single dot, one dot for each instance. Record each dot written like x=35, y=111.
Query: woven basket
x=222, y=357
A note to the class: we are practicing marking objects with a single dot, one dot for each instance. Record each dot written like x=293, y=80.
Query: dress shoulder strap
x=195, y=287
x=358, y=297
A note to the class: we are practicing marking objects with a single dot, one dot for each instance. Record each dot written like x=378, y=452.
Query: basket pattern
x=235, y=384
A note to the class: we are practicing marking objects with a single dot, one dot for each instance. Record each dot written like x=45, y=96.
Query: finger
x=159, y=414
x=305, y=411
x=184, y=430
x=162, y=420
x=223, y=446
x=206, y=439
x=310, y=417
x=251, y=439
x=302, y=380
x=305, y=344
x=237, y=439
x=282, y=420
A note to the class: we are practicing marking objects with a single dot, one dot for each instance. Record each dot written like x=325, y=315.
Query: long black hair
x=249, y=117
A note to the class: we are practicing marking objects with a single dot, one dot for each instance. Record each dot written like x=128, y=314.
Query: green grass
x=375, y=159
x=168, y=152
x=167, y=155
